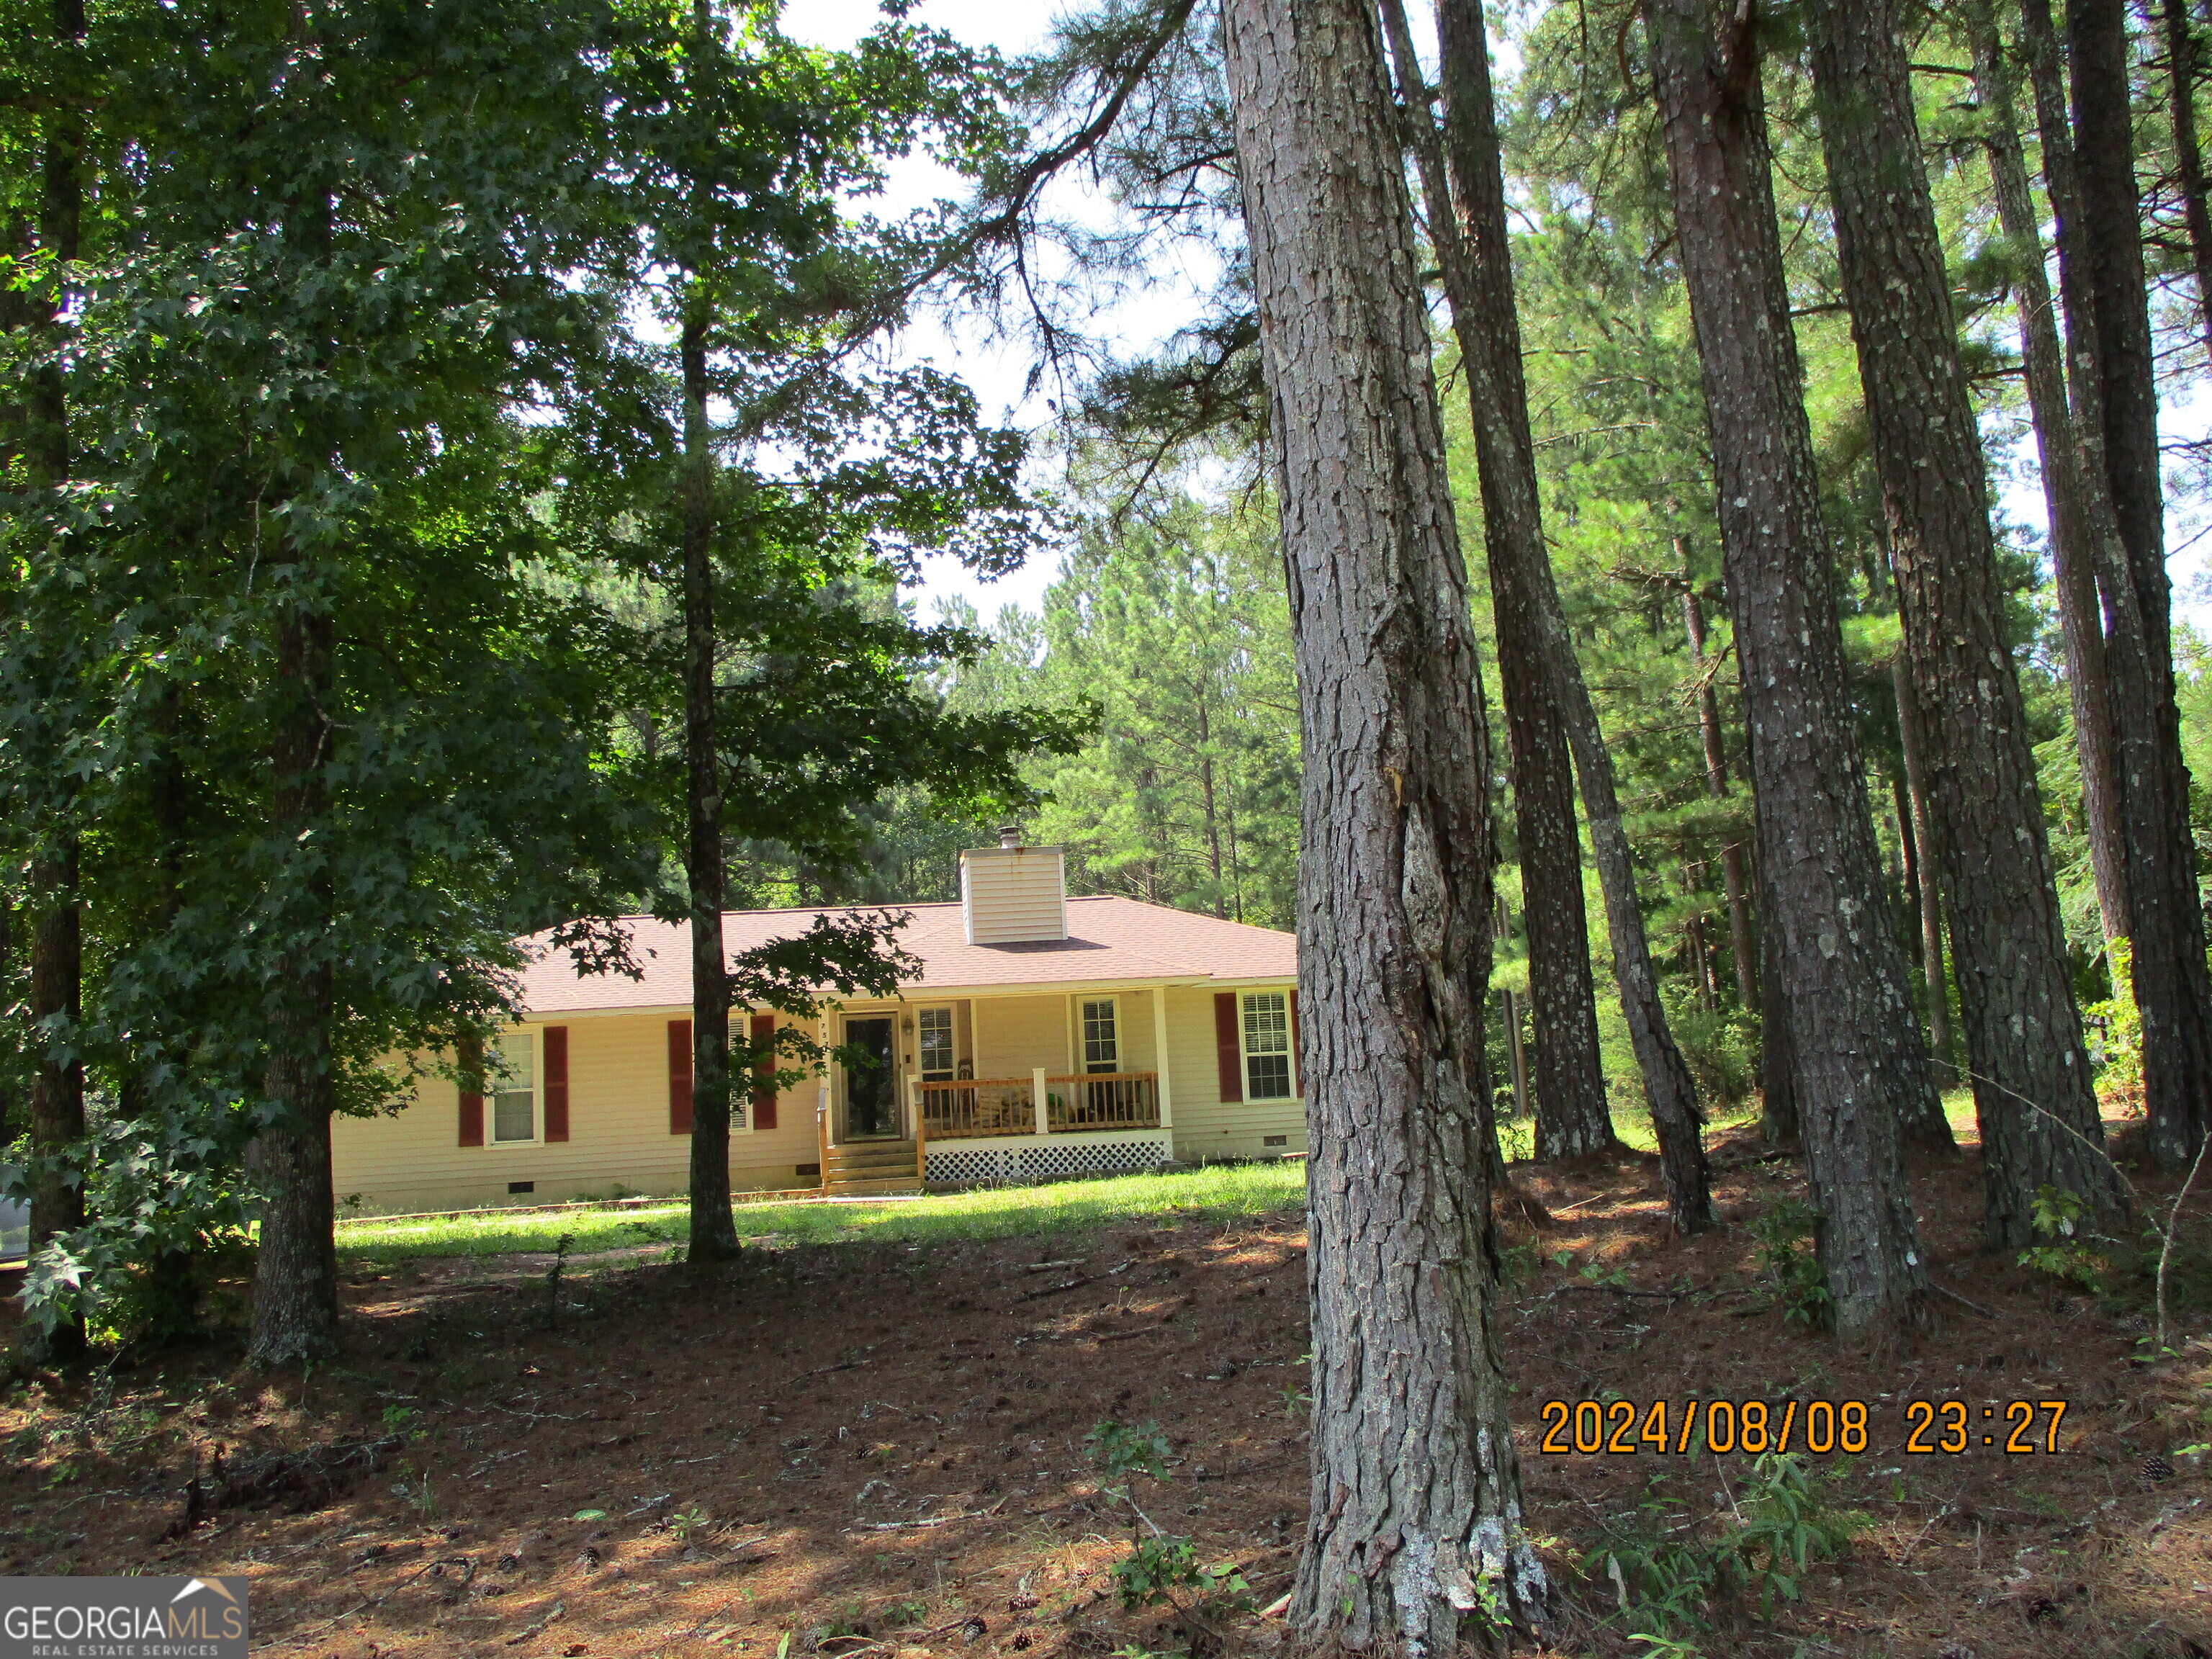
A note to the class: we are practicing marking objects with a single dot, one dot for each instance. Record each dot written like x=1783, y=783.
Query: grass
x=1222, y=1193
x=1633, y=1124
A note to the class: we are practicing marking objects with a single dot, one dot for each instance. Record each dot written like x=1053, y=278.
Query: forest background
x=531, y=409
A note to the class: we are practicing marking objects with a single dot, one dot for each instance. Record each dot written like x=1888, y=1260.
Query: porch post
x=1038, y=1093
x=1160, y=1055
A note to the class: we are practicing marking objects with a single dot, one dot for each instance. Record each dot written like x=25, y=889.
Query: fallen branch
x=1621, y=1289
x=1124, y=1336
x=1942, y=1290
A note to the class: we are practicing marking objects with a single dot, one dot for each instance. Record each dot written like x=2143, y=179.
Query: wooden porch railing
x=984, y=1106
x=1104, y=1100
x=978, y=1106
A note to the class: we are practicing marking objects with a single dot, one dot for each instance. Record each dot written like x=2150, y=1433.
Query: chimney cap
x=1010, y=835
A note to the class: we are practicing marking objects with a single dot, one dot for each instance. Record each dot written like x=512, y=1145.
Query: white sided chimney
x=1010, y=893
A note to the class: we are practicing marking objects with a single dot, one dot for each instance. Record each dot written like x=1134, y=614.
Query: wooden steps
x=871, y=1169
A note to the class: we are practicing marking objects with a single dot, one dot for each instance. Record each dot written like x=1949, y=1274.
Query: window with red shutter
x=764, y=1097
x=1229, y=1045
x=555, y=1038
x=679, y=1077
x=472, y=1057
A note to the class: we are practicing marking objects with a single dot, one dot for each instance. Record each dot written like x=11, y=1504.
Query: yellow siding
x=618, y=1112
x=1137, y=1054
x=618, y=1136
x=1204, y=1128
x=1016, y=1035
x=1013, y=895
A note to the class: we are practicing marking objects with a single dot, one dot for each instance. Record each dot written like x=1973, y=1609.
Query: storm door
x=871, y=1091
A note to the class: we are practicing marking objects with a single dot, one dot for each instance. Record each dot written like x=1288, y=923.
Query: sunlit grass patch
x=1221, y=1192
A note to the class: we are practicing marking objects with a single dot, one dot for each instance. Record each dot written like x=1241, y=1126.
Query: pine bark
x=1927, y=878
x=2029, y=1065
x=1463, y=181
x=2173, y=991
x=2073, y=497
x=714, y=1227
x=1735, y=879
x=1403, y=1551
x=1777, y=1055
x=1572, y=1119
x=2188, y=161
x=1859, y=1068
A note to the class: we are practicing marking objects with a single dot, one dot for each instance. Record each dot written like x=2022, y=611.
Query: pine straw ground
x=878, y=1451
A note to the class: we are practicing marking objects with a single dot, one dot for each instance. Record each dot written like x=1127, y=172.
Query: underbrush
x=1676, y=1567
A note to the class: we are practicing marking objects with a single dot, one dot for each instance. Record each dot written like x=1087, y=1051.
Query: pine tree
x=1858, y=1068
x=1394, y=897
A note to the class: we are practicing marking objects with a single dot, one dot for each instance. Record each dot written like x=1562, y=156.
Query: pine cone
x=2157, y=1470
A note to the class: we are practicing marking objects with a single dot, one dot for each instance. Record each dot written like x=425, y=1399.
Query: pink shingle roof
x=1110, y=940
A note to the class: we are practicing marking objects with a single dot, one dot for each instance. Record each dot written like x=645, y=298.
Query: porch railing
x=1104, y=1100
x=985, y=1106
x=979, y=1106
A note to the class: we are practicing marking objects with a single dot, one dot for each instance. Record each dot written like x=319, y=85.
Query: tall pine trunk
x=1778, y=1056
x=1734, y=879
x=714, y=1228
x=2029, y=1065
x=2173, y=991
x=1925, y=872
x=1859, y=1068
x=2074, y=498
x=1571, y=1116
x=1394, y=888
x=1463, y=181
x=2188, y=161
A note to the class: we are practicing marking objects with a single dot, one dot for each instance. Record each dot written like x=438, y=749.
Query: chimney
x=1010, y=893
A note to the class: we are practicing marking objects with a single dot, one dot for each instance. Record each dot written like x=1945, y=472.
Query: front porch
x=1085, y=1093
x=1043, y=1125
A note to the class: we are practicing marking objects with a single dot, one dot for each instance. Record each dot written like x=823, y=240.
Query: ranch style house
x=1045, y=1036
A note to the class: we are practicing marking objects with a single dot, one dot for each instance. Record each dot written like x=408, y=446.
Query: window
x=936, y=1045
x=1101, y=1040
x=512, y=1073
x=1266, y=1046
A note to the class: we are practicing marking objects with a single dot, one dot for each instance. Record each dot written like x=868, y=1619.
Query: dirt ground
x=879, y=1449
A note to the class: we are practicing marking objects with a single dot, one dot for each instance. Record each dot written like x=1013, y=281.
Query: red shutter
x=764, y=1097
x=679, y=1077
x=1229, y=1046
x=1297, y=1059
x=472, y=1057
x=556, y=1082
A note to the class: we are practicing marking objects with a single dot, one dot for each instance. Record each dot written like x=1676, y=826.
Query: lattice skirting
x=1042, y=1160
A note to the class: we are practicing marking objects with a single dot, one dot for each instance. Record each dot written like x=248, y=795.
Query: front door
x=871, y=1091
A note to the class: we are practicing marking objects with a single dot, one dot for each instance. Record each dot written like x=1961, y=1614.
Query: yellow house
x=1043, y=1035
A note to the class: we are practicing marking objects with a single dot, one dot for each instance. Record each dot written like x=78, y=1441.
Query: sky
x=998, y=371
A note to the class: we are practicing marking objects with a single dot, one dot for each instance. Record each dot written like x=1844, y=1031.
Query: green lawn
x=1211, y=1194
